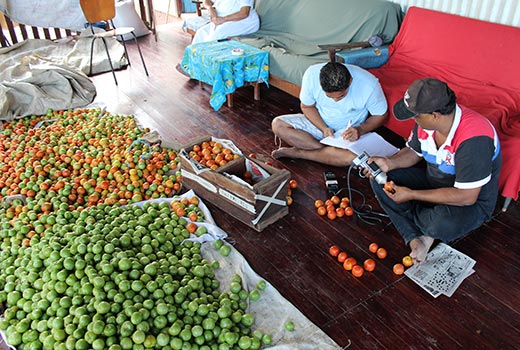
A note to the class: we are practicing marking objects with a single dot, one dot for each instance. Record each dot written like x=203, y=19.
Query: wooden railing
x=12, y=32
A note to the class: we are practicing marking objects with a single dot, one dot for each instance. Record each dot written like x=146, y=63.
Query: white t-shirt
x=227, y=7
x=365, y=96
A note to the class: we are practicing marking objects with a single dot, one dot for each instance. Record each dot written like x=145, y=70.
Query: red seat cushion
x=478, y=61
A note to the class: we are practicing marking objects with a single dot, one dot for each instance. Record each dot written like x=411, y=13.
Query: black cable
x=364, y=212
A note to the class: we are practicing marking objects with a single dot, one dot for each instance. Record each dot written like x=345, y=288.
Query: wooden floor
x=379, y=310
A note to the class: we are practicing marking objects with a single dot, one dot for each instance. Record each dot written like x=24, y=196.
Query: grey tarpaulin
x=39, y=74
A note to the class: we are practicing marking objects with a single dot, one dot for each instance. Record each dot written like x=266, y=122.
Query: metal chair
x=97, y=11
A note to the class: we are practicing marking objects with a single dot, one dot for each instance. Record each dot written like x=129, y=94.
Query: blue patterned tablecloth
x=214, y=64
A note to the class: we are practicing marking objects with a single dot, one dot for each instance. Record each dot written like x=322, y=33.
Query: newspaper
x=443, y=270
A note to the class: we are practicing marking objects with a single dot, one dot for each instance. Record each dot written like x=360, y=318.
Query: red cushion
x=477, y=59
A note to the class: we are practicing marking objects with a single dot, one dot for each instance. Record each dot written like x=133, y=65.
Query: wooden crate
x=258, y=207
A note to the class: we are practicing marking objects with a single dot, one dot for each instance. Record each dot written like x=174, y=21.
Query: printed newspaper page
x=443, y=270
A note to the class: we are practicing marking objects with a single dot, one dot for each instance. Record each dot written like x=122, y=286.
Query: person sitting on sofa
x=336, y=99
x=457, y=190
x=228, y=18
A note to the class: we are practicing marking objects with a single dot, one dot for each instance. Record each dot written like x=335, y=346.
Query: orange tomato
x=318, y=203
x=343, y=204
x=193, y=200
x=331, y=215
x=381, y=253
x=191, y=227
x=369, y=265
x=407, y=261
x=293, y=184
x=349, y=263
x=193, y=216
x=252, y=155
x=349, y=211
x=289, y=200
x=335, y=200
x=322, y=211
x=340, y=212
x=180, y=212
x=373, y=247
x=334, y=250
x=342, y=256
x=357, y=271
x=398, y=269
x=389, y=188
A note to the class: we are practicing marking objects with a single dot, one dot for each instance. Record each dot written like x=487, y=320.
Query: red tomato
x=357, y=271
x=381, y=253
x=342, y=257
x=349, y=263
x=334, y=250
x=398, y=269
x=369, y=265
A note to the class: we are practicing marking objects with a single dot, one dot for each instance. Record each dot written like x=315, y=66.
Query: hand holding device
x=378, y=174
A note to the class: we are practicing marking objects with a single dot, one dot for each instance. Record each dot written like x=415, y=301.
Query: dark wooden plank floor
x=379, y=310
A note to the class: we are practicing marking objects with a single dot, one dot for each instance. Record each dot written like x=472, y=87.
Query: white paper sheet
x=372, y=143
x=443, y=270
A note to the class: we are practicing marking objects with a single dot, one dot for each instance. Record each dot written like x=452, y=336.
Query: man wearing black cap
x=457, y=190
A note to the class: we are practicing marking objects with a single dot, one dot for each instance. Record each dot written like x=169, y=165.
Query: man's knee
x=278, y=124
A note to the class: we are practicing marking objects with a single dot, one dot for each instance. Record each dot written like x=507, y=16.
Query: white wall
x=499, y=11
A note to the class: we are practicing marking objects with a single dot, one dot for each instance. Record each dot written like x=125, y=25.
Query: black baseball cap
x=423, y=96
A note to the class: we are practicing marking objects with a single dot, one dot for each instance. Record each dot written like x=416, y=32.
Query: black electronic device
x=331, y=182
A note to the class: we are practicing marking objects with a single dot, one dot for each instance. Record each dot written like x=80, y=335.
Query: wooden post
x=229, y=100
x=256, y=91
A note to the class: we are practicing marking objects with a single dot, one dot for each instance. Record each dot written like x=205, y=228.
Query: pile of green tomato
x=112, y=277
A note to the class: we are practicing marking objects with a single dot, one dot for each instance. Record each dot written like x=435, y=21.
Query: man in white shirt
x=228, y=18
x=336, y=99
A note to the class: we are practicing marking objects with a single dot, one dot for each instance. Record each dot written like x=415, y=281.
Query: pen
x=349, y=124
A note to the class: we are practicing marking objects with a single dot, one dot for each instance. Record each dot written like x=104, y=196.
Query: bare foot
x=420, y=247
x=287, y=152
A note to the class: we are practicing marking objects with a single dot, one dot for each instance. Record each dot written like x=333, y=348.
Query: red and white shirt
x=469, y=158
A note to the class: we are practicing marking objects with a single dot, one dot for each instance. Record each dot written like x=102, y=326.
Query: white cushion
x=126, y=16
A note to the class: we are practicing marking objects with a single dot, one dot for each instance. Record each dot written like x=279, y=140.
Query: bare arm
x=237, y=16
x=371, y=123
x=444, y=195
x=209, y=5
x=311, y=113
x=405, y=158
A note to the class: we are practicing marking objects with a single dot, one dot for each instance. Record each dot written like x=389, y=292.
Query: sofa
x=291, y=30
x=478, y=60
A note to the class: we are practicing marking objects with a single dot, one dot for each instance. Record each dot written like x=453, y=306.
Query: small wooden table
x=215, y=64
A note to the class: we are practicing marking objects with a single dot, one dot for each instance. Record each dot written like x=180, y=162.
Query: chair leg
x=126, y=52
x=91, y=55
x=140, y=54
x=124, y=43
x=109, y=59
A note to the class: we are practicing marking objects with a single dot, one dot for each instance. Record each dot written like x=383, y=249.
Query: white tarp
x=39, y=74
x=65, y=14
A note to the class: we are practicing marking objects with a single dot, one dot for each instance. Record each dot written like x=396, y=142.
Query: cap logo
x=406, y=98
